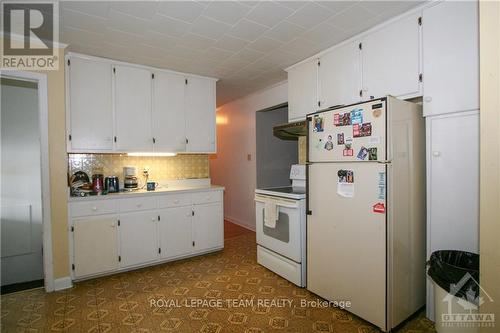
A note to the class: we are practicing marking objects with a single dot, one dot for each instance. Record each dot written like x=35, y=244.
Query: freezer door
x=346, y=237
x=354, y=133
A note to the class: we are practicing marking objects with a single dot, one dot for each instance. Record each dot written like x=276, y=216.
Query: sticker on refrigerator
x=379, y=207
x=345, y=176
x=377, y=113
x=357, y=116
x=362, y=130
x=340, y=138
x=329, y=143
x=348, y=142
x=342, y=119
x=348, y=152
x=363, y=152
x=318, y=124
x=381, y=185
x=345, y=183
x=372, y=154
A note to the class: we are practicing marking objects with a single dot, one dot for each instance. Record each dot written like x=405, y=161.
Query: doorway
x=24, y=181
x=274, y=156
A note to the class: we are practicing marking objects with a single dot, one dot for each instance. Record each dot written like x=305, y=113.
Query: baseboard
x=63, y=283
x=240, y=223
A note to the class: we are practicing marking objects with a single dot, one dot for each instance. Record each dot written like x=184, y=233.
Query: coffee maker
x=130, y=182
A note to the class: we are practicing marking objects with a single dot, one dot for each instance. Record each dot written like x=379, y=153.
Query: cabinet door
x=451, y=57
x=90, y=116
x=176, y=231
x=208, y=226
x=133, y=109
x=200, y=115
x=138, y=238
x=302, y=90
x=453, y=163
x=390, y=58
x=169, y=128
x=339, y=76
x=95, y=245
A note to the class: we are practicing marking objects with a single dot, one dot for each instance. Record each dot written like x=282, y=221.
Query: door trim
x=43, y=123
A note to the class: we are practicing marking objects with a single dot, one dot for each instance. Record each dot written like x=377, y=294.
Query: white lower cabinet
x=95, y=245
x=175, y=231
x=110, y=235
x=138, y=238
x=208, y=231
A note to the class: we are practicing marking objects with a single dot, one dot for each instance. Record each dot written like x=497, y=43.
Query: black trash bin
x=456, y=279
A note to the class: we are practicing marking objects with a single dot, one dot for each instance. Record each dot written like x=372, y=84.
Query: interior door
x=90, y=105
x=175, y=230
x=200, y=115
x=95, y=242
x=339, y=76
x=138, y=238
x=169, y=128
x=391, y=59
x=133, y=109
x=208, y=226
x=346, y=237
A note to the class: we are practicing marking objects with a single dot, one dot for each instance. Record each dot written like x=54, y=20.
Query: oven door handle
x=277, y=202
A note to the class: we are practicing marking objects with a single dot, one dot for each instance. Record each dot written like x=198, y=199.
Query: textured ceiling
x=246, y=44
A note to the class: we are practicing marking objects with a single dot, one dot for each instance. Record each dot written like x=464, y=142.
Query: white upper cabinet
x=133, y=109
x=302, y=90
x=390, y=60
x=200, y=115
x=451, y=57
x=169, y=130
x=90, y=115
x=339, y=76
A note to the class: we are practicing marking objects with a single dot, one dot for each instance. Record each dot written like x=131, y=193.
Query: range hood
x=291, y=131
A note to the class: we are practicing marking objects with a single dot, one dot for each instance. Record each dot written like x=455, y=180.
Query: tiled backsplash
x=302, y=149
x=160, y=168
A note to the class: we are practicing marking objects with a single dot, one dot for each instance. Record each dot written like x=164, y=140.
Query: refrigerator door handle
x=385, y=162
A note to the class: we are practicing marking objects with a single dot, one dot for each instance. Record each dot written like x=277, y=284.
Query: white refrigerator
x=366, y=208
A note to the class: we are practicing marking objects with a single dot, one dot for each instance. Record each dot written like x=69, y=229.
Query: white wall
x=235, y=140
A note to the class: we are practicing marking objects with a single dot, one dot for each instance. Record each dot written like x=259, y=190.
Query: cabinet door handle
x=112, y=225
x=428, y=99
x=436, y=153
x=189, y=214
x=153, y=219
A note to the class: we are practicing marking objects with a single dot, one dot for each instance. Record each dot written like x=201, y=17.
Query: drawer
x=175, y=200
x=97, y=207
x=207, y=197
x=137, y=203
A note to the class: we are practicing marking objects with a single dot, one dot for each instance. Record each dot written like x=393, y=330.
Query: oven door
x=283, y=239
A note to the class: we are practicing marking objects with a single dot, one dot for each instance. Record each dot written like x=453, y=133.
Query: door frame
x=43, y=123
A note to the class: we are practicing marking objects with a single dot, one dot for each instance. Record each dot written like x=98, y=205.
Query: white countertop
x=143, y=192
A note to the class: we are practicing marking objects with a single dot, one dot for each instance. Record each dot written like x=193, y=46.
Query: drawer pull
x=176, y=201
x=207, y=198
x=94, y=208
x=139, y=205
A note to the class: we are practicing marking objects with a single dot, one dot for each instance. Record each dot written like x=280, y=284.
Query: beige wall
x=58, y=168
x=489, y=237
x=235, y=140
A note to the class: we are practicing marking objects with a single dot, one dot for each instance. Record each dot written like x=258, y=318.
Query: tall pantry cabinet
x=451, y=106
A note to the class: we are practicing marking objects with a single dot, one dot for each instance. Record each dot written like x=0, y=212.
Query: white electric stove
x=281, y=246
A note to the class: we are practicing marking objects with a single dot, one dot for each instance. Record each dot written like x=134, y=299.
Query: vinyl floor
x=220, y=292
